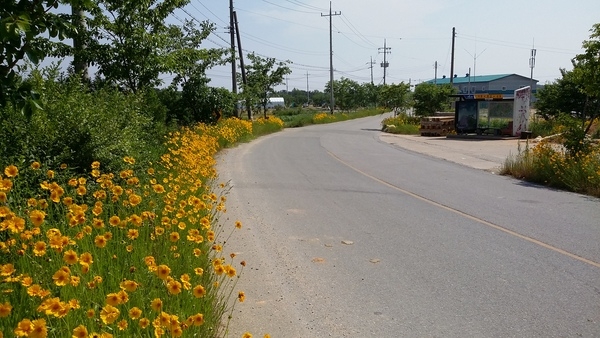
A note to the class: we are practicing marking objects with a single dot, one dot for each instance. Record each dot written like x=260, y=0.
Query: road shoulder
x=487, y=155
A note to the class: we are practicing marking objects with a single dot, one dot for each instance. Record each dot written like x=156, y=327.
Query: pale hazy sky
x=492, y=37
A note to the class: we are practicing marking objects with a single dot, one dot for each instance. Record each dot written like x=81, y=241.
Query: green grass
x=403, y=124
x=294, y=118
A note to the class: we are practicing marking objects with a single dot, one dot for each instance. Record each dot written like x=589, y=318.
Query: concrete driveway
x=486, y=154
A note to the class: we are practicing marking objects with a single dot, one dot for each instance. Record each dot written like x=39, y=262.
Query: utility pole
x=435, y=66
x=307, y=92
x=452, y=57
x=331, y=15
x=244, y=81
x=371, y=66
x=385, y=64
x=78, y=19
x=233, y=63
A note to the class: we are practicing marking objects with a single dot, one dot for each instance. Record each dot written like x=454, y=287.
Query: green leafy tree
x=294, y=98
x=347, y=93
x=562, y=96
x=319, y=98
x=262, y=75
x=586, y=70
x=576, y=95
x=395, y=96
x=429, y=98
x=203, y=103
x=185, y=57
x=130, y=42
x=370, y=94
x=351, y=94
x=23, y=26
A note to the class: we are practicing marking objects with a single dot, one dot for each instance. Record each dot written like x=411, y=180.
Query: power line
x=349, y=24
x=301, y=4
x=290, y=9
x=211, y=12
x=281, y=47
x=354, y=42
x=516, y=44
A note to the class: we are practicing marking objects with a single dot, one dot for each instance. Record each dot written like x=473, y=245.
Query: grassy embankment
x=127, y=246
x=550, y=163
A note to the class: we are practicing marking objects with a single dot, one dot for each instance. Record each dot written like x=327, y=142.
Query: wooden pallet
x=435, y=132
x=436, y=125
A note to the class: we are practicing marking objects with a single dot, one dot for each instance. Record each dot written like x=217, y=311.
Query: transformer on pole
x=385, y=64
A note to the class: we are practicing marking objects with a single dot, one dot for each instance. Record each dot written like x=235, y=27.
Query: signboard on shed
x=521, y=110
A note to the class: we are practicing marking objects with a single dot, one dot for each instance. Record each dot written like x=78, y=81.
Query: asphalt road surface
x=348, y=235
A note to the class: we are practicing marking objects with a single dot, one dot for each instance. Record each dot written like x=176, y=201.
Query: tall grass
x=552, y=165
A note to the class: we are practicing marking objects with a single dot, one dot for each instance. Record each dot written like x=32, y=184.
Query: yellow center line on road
x=471, y=217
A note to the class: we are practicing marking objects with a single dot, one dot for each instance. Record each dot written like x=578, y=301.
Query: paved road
x=348, y=235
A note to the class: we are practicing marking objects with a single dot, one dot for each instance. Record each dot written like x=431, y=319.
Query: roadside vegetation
x=111, y=209
x=568, y=156
x=402, y=124
x=556, y=160
x=300, y=117
x=110, y=204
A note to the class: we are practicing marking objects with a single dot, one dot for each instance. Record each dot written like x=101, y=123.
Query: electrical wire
x=349, y=24
x=301, y=4
x=516, y=44
x=346, y=36
x=211, y=12
x=291, y=9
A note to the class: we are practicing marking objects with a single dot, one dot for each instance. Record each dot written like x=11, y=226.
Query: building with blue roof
x=504, y=84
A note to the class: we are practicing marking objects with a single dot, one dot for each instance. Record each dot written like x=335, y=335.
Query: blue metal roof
x=472, y=79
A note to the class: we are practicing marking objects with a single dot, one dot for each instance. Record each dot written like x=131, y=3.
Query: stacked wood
x=436, y=125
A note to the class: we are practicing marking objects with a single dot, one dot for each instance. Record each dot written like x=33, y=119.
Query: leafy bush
x=204, y=104
x=575, y=138
x=77, y=126
x=553, y=165
x=403, y=124
x=541, y=127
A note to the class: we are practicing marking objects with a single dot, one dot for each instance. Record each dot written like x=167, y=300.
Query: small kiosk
x=493, y=114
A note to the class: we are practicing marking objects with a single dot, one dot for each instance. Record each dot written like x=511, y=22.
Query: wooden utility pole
x=330, y=15
x=244, y=81
x=452, y=57
x=233, y=63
